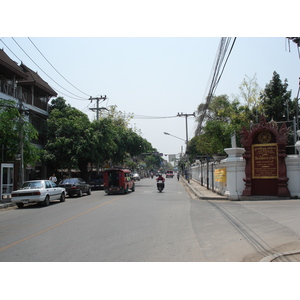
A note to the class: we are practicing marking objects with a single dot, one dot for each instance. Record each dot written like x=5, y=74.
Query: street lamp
x=166, y=133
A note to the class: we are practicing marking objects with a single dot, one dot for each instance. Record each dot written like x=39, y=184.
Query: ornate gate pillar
x=265, y=171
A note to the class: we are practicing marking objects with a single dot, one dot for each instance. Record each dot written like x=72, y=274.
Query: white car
x=136, y=177
x=38, y=191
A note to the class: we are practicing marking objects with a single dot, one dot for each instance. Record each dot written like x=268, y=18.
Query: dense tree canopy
x=73, y=141
x=12, y=123
x=276, y=100
x=224, y=118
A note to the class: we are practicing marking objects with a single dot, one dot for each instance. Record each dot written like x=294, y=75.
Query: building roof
x=33, y=78
x=9, y=64
x=26, y=76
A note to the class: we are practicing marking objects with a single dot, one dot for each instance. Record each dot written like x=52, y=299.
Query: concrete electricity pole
x=97, y=108
x=22, y=112
x=187, y=140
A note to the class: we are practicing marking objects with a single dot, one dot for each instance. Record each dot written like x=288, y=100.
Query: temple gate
x=265, y=154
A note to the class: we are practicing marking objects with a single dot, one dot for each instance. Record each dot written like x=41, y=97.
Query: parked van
x=117, y=181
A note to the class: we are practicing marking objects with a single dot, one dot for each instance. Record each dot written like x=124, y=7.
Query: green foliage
x=249, y=91
x=215, y=139
x=12, y=124
x=153, y=161
x=224, y=118
x=74, y=141
x=276, y=99
x=68, y=137
x=9, y=117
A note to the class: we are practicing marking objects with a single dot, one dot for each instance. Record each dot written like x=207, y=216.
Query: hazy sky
x=151, y=60
x=152, y=77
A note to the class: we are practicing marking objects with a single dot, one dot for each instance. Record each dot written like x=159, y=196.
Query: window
x=48, y=185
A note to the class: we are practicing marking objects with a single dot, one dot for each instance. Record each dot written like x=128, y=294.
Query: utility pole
x=22, y=110
x=97, y=108
x=187, y=140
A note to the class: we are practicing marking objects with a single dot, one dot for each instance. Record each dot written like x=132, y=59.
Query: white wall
x=235, y=172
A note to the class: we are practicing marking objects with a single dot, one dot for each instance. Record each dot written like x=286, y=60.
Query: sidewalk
x=204, y=194
x=6, y=204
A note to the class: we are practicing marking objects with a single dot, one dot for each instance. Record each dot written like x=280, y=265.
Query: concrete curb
x=272, y=257
x=212, y=195
x=5, y=205
x=201, y=196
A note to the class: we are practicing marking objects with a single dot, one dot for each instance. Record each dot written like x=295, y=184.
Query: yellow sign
x=220, y=175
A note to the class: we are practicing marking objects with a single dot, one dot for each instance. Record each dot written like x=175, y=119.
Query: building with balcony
x=23, y=85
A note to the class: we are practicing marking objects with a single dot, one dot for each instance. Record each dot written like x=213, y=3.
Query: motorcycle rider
x=160, y=178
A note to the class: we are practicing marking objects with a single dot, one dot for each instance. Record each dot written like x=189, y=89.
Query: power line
x=151, y=117
x=10, y=50
x=56, y=69
x=222, y=49
x=79, y=98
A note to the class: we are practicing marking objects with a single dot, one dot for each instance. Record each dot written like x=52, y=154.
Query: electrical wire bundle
x=225, y=45
x=71, y=95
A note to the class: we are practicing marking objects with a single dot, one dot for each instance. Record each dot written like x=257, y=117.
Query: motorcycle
x=160, y=185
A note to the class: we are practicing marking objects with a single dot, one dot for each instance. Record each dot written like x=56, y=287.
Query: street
x=147, y=226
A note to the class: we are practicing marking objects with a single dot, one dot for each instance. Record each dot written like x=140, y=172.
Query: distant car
x=97, y=182
x=169, y=174
x=75, y=186
x=38, y=191
x=136, y=177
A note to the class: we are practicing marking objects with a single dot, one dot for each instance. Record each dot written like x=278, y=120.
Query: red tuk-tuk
x=118, y=181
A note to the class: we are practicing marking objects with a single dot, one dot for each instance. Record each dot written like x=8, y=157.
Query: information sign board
x=264, y=161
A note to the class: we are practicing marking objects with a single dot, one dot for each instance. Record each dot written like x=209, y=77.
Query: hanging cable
x=151, y=117
x=226, y=61
x=56, y=69
x=10, y=50
x=217, y=67
x=79, y=98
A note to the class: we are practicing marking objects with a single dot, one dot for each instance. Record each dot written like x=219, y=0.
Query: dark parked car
x=96, y=181
x=75, y=186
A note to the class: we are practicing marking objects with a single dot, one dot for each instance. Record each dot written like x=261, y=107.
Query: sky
x=150, y=64
x=153, y=78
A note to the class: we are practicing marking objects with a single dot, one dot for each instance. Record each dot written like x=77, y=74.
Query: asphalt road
x=147, y=226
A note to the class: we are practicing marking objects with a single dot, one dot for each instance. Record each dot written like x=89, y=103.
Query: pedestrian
x=53, y=178
x=178, y=175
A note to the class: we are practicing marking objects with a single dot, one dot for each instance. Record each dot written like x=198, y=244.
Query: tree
x=103, y=143
x=74, y=141
x=215, y=139
x=276, y=99
x=153, y=161
x=215, y=135
x=249, y=91
x=12, y=123
x=68, y=138
x=58, y=103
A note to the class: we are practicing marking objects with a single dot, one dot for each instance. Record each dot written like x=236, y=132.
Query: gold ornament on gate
x=264, y=137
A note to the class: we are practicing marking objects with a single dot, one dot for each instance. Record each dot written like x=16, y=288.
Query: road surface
x=147, y=226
